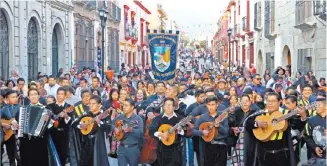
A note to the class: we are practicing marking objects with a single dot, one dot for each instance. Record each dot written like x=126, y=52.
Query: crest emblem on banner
x=162, y=58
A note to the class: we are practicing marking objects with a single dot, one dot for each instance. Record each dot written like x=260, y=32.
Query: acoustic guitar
x=56, y=117
x=164, y=128
x=9, y=132
x=120, y=125
x=276, y=123
x=91, y=122
x=210, y=126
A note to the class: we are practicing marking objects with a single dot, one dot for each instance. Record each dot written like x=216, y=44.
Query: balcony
x=303, y=16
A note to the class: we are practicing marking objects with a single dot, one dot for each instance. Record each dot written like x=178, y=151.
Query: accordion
x=33, y=121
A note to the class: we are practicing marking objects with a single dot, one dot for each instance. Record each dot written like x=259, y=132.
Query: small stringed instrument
x=8, y=132
x=171, y=130
x=91, y=122
x=210, y=125
x=56, y=117
x=120, y=125
x=276, y=123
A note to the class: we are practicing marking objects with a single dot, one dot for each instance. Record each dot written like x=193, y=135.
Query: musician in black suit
x=62, y=120
x=167, y=155
x=93, y=149
x=34, y=150
x=11, y=110
x=75, y=136
x=279, y=149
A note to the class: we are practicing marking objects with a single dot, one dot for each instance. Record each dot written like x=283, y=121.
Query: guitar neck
x=181, y=123
x=222, y=117
x=294, y=112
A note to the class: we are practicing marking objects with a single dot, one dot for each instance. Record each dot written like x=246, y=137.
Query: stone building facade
x=34, y=37
x=290, y=33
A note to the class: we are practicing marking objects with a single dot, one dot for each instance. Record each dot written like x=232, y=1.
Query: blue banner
x=163, y=49
x=99, y=57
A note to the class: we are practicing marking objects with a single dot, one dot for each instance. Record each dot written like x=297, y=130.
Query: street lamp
x=229, y=32
x=103, y=17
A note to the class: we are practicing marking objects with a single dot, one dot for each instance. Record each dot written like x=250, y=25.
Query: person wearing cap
x=313, y=123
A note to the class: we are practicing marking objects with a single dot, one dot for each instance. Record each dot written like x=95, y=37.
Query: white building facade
x=35, y=37
x=290, y=33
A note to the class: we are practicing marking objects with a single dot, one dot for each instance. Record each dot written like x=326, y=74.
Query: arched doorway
x=4, y=46
x=260, y=63
x=286, y=56
x=32, y=50
x=54, y=52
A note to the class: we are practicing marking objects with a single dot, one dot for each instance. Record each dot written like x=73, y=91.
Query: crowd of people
x=130, y=113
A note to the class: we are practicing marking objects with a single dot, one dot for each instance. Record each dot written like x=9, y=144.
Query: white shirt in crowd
x=51, y=90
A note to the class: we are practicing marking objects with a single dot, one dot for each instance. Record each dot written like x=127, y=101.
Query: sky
x=198, y=18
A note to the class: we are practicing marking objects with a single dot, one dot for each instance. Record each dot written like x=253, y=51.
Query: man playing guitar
x=11, y=111
x=129, y=149
x=167, y=155
x=215, y=152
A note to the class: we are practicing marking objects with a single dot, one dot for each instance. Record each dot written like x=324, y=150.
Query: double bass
x=149, y=150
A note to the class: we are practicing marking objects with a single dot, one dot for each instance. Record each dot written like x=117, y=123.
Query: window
x=319, y=7
x=269, y=17
x=4, y=47
x=257, y=15
x=270, y=61
x=244, y=25
x=303, y=11
x=304, y=59
x=84, y=45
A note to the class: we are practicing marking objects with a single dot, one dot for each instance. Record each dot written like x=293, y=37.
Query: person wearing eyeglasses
x=257, y=86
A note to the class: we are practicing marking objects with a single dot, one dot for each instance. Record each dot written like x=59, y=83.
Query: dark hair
x=322, y=78
x=52, y=97
x=211, y=98
x=278, y=86
x=97, y=78
x=130, y=101
x=233, y=96
x=96, y=98
x=292, y=98
x=274, y=94
x=31, y=84
x=83, y=79
x=10, y=81
x=140, y=82
x=20, y=79
x=268, y=90
x=169, y=99
x=160, y=82
x=32, y=89
x=111, y=92
x=52, y=76
x=62, y=89
x=246, y=96
x=293, y=93
x=209, y=90
x=70, y=89
x=85, y=91
x=93, y=90
x=307, y=86
x=299, y=73
x=9, y=92
x=154, y=85
x=67, y=74
x=198, y=92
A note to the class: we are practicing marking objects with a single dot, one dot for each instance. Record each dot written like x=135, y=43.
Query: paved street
x=114, y=162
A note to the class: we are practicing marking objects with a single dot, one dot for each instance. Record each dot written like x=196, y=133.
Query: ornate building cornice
x=61, y=5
